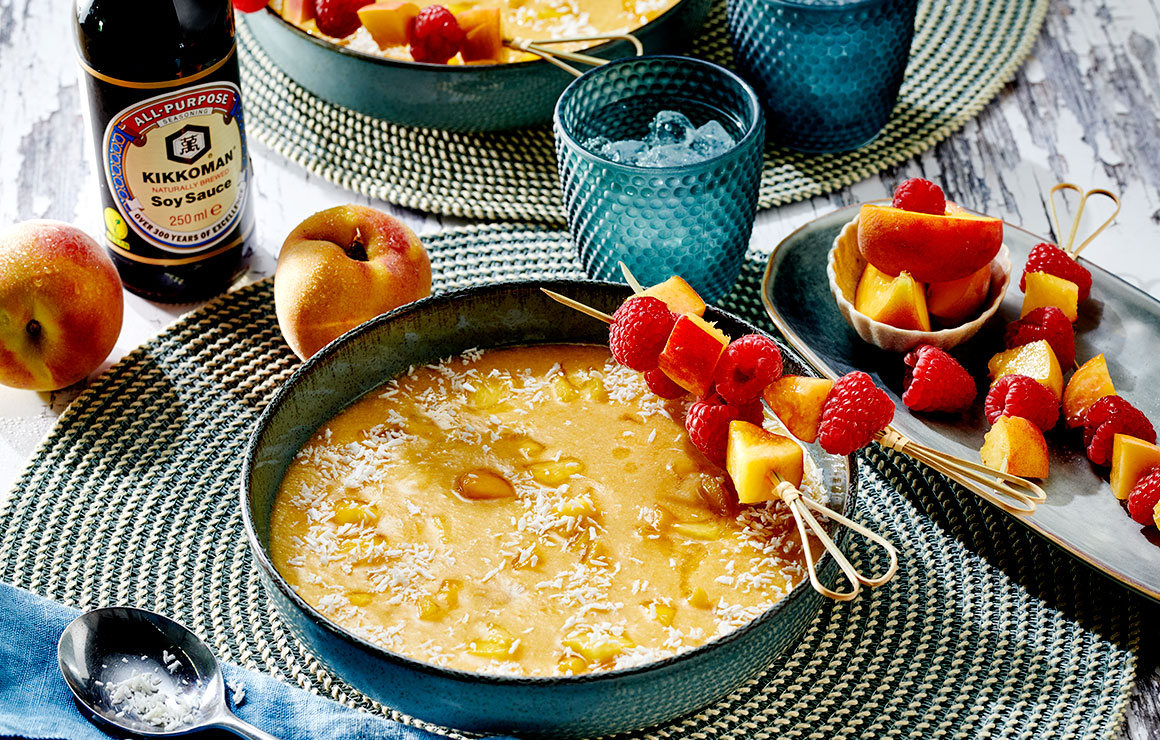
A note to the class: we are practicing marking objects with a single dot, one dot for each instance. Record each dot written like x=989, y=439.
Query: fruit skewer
x=786, y=491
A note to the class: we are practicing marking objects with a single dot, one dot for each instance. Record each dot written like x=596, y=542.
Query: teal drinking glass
x=828, y=71
x=692, y=220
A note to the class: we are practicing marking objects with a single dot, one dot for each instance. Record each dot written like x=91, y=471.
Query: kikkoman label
x=176, y=166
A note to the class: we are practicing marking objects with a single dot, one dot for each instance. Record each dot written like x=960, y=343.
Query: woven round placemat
x=964, y=51
x=986, y=632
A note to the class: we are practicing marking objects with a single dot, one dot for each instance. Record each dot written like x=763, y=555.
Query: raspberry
x=1051, y=259
x=1019, y=395
x=640, y=328
x=1144, y=497
x=708, y=424
x=662, y=385
x=1107, y=417
x=935, y=381
x=1045, y=322
x=436, y=35
x=249, y=6
x=338, y=18
x=855, y=410
x=746, y=366
x=920, y=196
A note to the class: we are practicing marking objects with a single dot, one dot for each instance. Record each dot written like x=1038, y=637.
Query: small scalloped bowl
x=844, y=268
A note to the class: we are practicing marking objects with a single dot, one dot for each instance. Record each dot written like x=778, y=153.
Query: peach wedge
x=930, y=247
x=955, y=300
x=1035, y=360
x=1044, y=289
x=1088, y=384
x=691, y=353
x=678, y=295
x=798, y=401
x=758, y=460
x=1015, y=445
x=898, y=301
x=1130, y=458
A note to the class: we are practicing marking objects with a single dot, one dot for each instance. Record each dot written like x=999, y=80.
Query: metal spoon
x=102, y=649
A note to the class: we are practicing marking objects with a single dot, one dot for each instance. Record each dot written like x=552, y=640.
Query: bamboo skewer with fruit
x=725, y=424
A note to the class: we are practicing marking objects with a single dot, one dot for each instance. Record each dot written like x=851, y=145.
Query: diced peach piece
x=898, y=301
x=1088, y=384
x=298, y=11
x=483, y=484
x=798, y=401
x=699, y=599
x=388, y=22
x=1045, y=289
x=350, y=511
x=483, y=40
x=691, y=353
x=758, y=460
x=930, y=247
x=1130, y=458
x=955, y=300
x=699, y=530
x=1015, y=445
x=678, y=295
x=598, y=647
x=495, y=644
x=1035, y=360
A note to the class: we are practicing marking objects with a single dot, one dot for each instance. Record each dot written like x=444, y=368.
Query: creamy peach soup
x=529, y=511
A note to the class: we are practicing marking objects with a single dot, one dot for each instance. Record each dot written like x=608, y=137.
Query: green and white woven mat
x=964, y=51
x=986, y=632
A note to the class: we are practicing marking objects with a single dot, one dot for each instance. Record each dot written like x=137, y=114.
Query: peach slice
x=678, y=295
x=483, y=41
x=1045, y=289
x=1015, y=445
x=388, y=22
x=1088, y=384
x=298, y=11
x=691, y=353
x=758, y=460
x=1131, y=457
x=954, y=300
x=1035, y=360
x=798, y=402
x=897, y=301
x=931, y=248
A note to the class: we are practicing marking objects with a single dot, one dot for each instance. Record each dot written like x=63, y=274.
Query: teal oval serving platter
x=1080, y=515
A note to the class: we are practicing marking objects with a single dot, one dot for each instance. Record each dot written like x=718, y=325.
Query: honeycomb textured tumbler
x=692, y=220
x=827, y=71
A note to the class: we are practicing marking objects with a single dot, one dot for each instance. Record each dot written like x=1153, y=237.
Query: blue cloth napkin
x=36, y=703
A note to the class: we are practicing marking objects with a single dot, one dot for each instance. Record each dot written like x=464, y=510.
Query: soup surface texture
x=528, y=511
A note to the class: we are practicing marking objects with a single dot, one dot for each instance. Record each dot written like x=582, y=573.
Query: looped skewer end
x=800, y=505
x=1068, y=244
x=1009, y=492
x=555, y=57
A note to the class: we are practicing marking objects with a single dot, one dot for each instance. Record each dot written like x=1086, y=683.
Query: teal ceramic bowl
x=485, y=97
x=588, y=705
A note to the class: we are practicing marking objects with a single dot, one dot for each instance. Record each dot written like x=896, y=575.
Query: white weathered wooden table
x=1084, y=108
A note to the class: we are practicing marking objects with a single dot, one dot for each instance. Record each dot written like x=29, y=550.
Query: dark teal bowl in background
x=475, y=97
x=589, y=705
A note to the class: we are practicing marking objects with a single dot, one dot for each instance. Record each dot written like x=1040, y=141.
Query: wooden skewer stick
x=630, y=279
x=1069, y=244
x=1009, y=492
x=600, y=315
x=800, y=505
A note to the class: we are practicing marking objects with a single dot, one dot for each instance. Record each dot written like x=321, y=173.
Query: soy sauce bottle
x=161, y=77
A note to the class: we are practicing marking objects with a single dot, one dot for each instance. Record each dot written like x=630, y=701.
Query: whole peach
x=342, y=267
x=60, y=305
